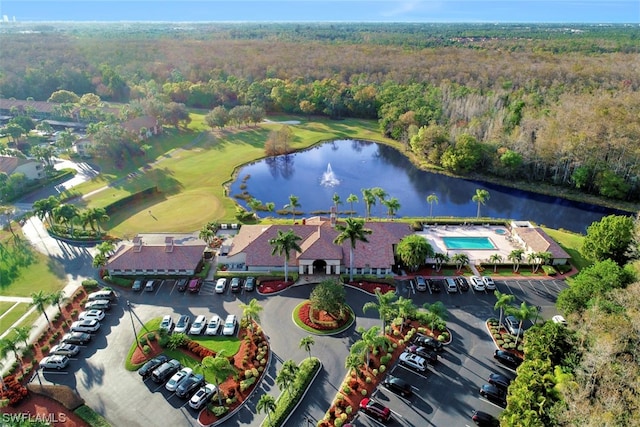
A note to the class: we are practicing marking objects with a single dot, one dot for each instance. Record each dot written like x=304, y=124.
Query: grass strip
x=91, y=417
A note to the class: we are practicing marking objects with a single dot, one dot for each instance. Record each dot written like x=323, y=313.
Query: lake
x=347, y=166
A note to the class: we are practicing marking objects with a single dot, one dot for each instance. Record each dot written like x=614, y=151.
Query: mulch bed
x=371, y=287
x=320, y=320
x=272, y=286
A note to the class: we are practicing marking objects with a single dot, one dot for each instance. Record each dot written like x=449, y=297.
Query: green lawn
x=571, y=243
x=5, y=306
x=12, y=316
x=29, y=320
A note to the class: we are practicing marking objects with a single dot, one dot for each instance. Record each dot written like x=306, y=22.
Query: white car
x=178, y=378
x=91, y=314
x=183, y=324
x=477, y=283
x=230, y=325
x=213, y=327
x=413, y=361
x=198, y=325
x=559, y=320
x=90, y=325
x=202, y=396
x=54, y=362
x=68, y=350
x=167, y=323
x=489, y=284
x=221, y=285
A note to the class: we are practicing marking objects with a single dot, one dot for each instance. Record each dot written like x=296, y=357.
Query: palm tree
x=251, y=312
x=336, y=201
x=495, y=259
x=306, y=343
x=40, y=300
x=381, y=195
x=97, y=215
x=106, y=248
x=283, y=245
x=43, y=208
x=515, y=256
x=284, y=380
x=99, y=261
x=438, y=311
x=354, y=231
x=293, y=204
x=373, y=340
x=525, y=312
x=270, y=206
x=355, y=359
x=532, y=258
x=369, y=200
x=57, y=298
x=405, y=309
x=384, y=306
x=440, y=259
x=502, y=302
x=10, y=345
x=460, y=260
x=220, y=368
x=289, y=372
x=352, y=199
x=254, y=204
x=22, y=333
x=267, y=403
x=66, y=214
x=206, y=234
x=8, y=212
x=393, y=206
x=431, y=199
x=480, y=198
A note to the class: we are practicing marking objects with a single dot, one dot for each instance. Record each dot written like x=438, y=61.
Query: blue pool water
x=474, y=243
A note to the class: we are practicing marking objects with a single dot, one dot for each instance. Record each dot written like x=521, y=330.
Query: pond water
x=347, y=166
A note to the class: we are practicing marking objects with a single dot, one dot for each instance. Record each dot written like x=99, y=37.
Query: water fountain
x=329, y=178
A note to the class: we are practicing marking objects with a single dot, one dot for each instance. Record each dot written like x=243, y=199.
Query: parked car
x=250, y=284
x=462, y=283
x=452, y=286
x=483, y=419
x=151, y=365
x=559, y=320
x=198, y=325
x=77, y=338
x=413, y=361
x=190, y=385
x=150, y=286
x=213, y=327
x=513, y=325
x=182, y=326
x=178, y=378
x=375, y=409
x=397, y=385
x=182, y=285
x=421, y=284
x=507, y=358
x=137, y=285
x=494, y=394
x=91, y=314
x=163, y=372
x=477, y=283
x=202, y=396
x=221, y=285
x=429, y=342
x=230, y=325
x=426, y=353
x=90, y=325
x=434, y=285
x=236, y=285
x=56, y=361
x=194, y=285
x=101, y=304
x=489, y=284
x=68, y=350
x=107, y=294
x=167, y=323
x=499, y=381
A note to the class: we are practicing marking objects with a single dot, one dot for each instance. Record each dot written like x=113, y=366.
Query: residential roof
x=539, y=241
x=134, y=125
x=8, y=164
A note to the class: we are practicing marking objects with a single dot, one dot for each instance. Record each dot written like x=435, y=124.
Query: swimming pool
x=472, y=243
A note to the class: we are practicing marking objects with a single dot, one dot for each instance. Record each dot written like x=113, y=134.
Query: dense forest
x=557, y=104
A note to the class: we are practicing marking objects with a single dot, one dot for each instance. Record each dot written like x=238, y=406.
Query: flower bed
x=320, y=320
x=271, y=286
x=370, y=287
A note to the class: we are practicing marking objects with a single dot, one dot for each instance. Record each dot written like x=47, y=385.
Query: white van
x=230, y=325
x=451, y=285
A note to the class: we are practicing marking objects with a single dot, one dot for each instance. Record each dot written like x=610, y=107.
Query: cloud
x=411, y=7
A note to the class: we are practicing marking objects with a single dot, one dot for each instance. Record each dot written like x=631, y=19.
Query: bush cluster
x=15, y=391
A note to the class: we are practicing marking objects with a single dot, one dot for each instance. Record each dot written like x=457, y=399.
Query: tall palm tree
x=354, y=231
x=306, y=343
x=292, y=205
x=8, y=212
x=66, y=214
x=99, y=260
x=369, y=200
x=405, y=309
x=251, y=312
x=438, y=312
x=372, y=340
x=381, y=195
x=97, y=216
x=254, y=204
x=206, y=234
x=351, y=200
x=336, y=202
x=355, y=359
x=495, y=259
x=43, y=208
x=287, y=375
x=515, y=256
x=220, y=368
x=393, y=206
x=57, y=298
x=431, y=199
x=40, y=300
x=460, y=260
x=440, y=259
x=106, y=248
x=502, y=302
x=267, y=404
x=522, y=313
x=384, y=306
x=283, y=244
x=480, y=198
x=22, y=333
x=10, y=345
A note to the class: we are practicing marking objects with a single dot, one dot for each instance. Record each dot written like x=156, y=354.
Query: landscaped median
x=291, y=396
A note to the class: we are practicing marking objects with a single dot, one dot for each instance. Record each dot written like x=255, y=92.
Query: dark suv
x=397, y=385
x=429, y=342
x=151, y=365
x=163, y=372
x=182, y=285
x=190, y=385
x=434, y=285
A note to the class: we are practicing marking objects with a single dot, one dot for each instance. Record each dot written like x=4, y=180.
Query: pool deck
x=499, y=236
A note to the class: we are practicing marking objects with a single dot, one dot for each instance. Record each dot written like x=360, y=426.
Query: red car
x=195, y=285
x=375, y=409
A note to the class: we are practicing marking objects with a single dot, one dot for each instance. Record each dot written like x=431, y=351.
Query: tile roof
x=8, y=164
x=539, y=241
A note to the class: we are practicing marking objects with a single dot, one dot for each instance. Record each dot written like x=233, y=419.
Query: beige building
x=32, y=169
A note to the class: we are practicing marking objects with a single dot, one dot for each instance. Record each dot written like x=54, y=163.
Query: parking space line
x=159, y=287
x=494, y=404
x=413, y=372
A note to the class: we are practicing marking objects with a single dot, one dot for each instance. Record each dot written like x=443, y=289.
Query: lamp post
x=133, y=324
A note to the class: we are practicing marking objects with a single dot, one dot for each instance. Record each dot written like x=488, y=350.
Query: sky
x=436, y=11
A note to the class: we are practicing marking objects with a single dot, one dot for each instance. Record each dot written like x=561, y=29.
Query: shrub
x=375, y=372
x=382, y=368
x=500, y=343
x=368, y=380
x=218, y=410
x=245, y=384
x=363, y=392
x=445, y=335
x=146, y=349
x=152, y=337
x=143, y=341
x=90, y=284
x=338, y=422
x=346, y=389
x=348, y=410
x=44, y=349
